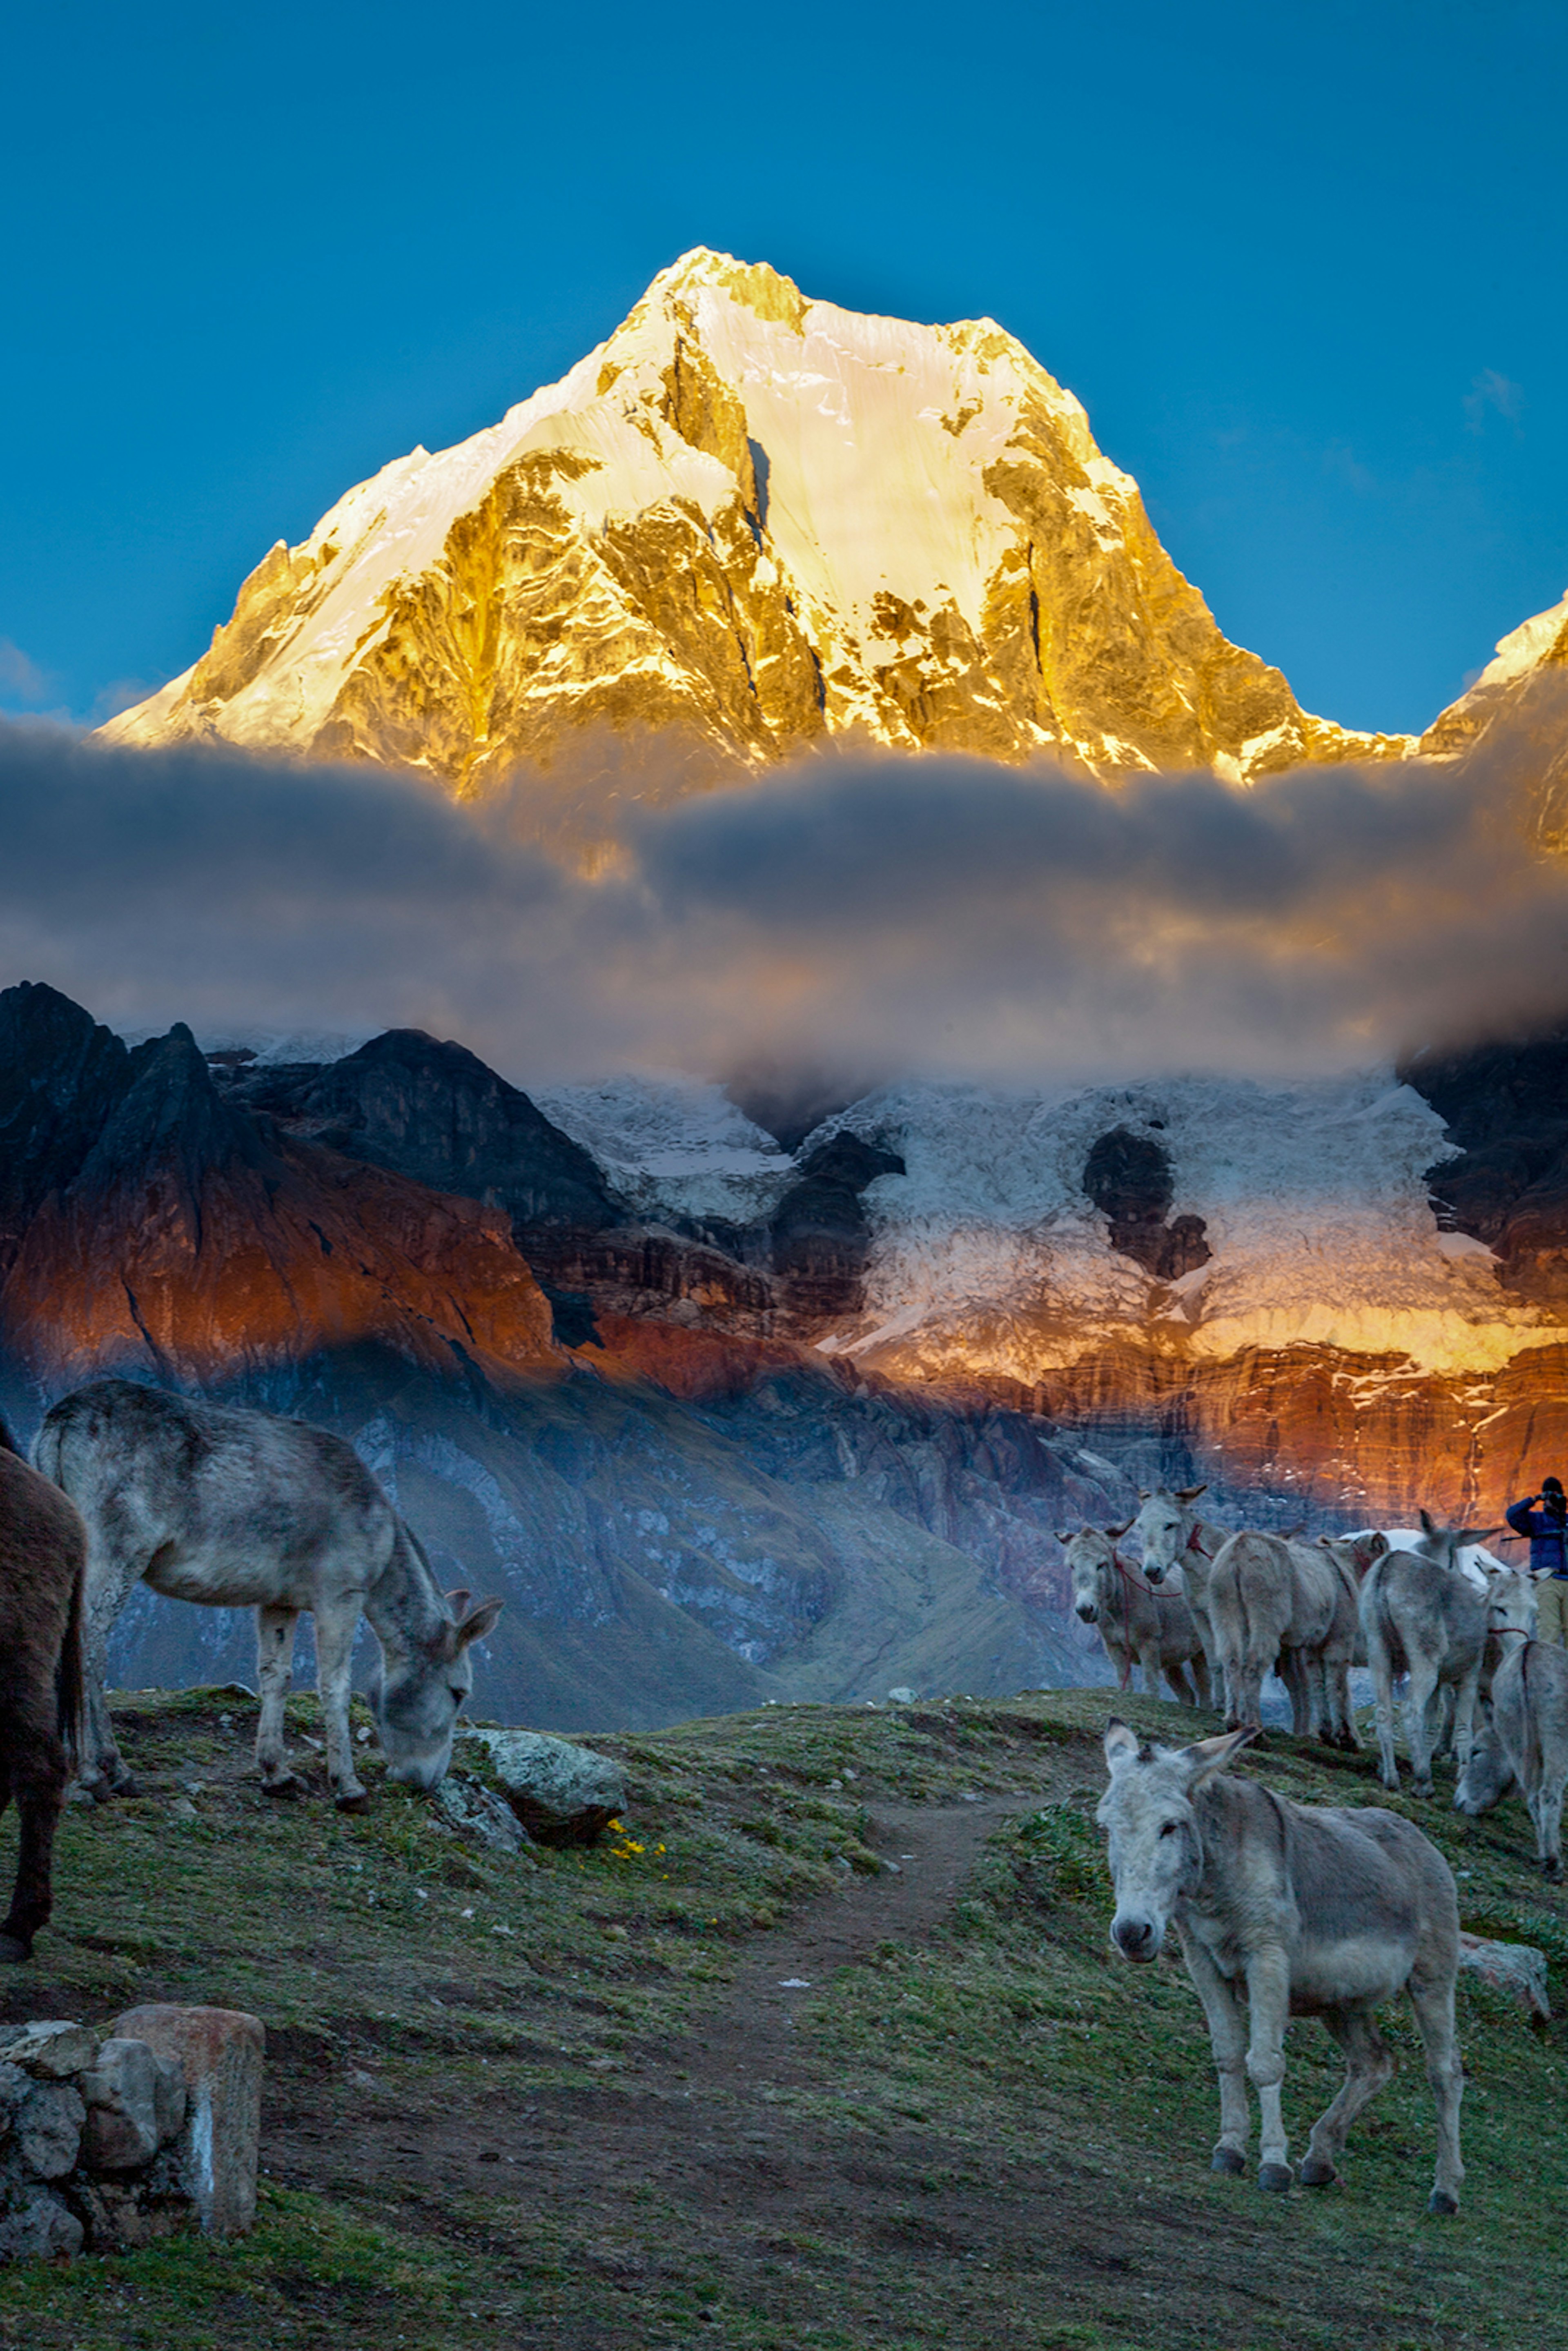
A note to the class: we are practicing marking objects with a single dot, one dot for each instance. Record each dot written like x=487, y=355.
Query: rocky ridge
x=755, y=523
x=659, y=1559
x=724, y=1420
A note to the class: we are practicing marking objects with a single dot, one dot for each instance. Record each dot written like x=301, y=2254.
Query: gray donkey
x=1423, y=1618
x=1137, y=1623
x=1286, y=1910
x=1177, y=1541
x=1527, y=1740
x=1277, y=1605
x=238, y=1509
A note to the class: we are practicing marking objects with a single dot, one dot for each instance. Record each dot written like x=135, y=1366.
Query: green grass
x=1028, y=2117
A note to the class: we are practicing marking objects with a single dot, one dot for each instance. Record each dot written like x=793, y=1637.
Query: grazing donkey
x=243, y=1509
x=1422, y=1616
x=1527, y=1740
x=1287, y=1606
x=1136, y=1622
x=1176, y=1540
x=43, y=1554
x=1282, y=1909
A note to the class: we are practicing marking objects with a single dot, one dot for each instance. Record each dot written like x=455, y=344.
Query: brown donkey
x=43, y=1563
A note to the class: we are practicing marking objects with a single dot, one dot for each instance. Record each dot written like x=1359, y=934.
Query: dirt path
x=743, y=2047
x=709, y=2124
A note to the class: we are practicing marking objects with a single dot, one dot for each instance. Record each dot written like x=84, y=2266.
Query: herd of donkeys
x=1279, y=1909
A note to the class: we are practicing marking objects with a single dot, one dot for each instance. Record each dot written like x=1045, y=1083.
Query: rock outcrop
x=170, y=1235
x=752, y=522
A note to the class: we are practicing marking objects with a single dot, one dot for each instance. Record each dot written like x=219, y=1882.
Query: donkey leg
x=1368, y=2068
x=1549, y=1829
x=1419, y=1726
x=336, y=1622
x=1178, y=1684
x=1268, y=2000
x=1342, y=1722
x=1433, y=2005
x=1465, y=1715
x=39, y=1784
x=111, y=1577
x=1198, y=1666
x=273, y=1663
x=1383, y=1703
x=1149, y=1660
x=1227, y=2039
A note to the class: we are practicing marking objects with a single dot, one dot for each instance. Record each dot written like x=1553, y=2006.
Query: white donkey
x=243, y=1509
x=1282, y=1909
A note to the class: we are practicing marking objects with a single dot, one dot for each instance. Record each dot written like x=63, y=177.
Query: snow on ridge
x=270, y=1046
x=1313, y=1195
x=673, y=1145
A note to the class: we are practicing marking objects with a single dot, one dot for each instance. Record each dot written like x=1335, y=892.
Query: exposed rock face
x=435, y=1113
x=1520, y=700
x=755, y=522
x=187, y=1243
x=1506, y=1106
x=1128, y=1177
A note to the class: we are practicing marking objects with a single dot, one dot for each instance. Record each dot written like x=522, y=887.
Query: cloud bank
x=874, y=914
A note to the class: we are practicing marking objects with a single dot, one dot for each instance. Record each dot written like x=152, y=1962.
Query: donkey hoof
x=1317, y=2171
x=1277, y=2178
x=358, y=1802
x=1441, y=2203
x=1551, y=1869
x=286, y=1784
x=14, y=1950
x=1226, y=2158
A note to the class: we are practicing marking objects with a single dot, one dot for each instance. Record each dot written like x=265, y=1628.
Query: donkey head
x=1163, y=1526
x=419, y=1695
x=1091, y=1553
x=1155, y=1853
x=1444, y=1544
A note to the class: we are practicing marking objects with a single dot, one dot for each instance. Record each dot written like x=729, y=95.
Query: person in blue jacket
x=1547, y=1531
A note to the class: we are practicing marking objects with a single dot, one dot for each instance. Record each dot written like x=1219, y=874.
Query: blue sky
x=1303, y=264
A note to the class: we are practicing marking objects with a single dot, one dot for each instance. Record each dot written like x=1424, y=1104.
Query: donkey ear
x=1116, y=1533
x=1121, y=1744
x=1428, y=1524
x=478, y=1623
x=1211, y=1755
x=1064, y=1535
x=458, y=1604
x=1377, y=1546
x=1466, y=1535
x=1144, y=1495
x=1191, y=1493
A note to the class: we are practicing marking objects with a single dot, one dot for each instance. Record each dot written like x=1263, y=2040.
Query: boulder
x=218, y=2052
x=1517, y=1969
x=39, y=2229
x=48, y=2127
x=562, y=1793
x=135, y=2100
x=477, y=1812
x=50, y=2052
x=14, y=2087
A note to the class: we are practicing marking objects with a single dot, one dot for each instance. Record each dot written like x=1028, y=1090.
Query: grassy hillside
x=730, y=2079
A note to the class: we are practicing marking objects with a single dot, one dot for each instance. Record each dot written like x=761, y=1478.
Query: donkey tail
x=69, y=1700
